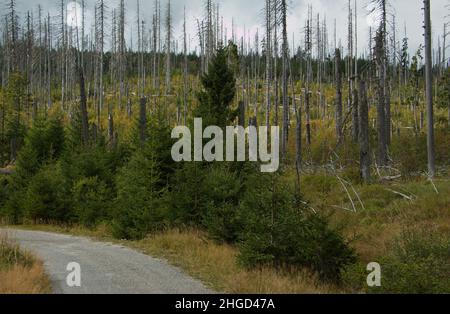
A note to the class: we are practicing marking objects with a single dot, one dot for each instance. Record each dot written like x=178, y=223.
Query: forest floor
x=372, y=217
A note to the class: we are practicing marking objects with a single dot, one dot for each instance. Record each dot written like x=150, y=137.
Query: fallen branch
x=409, y=198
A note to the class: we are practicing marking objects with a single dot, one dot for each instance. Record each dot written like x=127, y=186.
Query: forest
x=86, y=119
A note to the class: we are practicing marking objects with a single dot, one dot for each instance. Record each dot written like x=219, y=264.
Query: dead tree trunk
x=363, y=126
x=284, y=80
x=429, y=90
x=143, y=120
x=83, y=106
x=355, y=126
x=338, y=98
x=381, y=112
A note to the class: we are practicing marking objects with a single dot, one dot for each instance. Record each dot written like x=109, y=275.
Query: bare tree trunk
x=143, y=120
x=381, y=111
x=365, y=159
x=429, y=90
x=112, y=140
x=168, y=49
x=268, y=49
x=185, y=70
x=338, y=98
x=308, y=76
x=83, y=106
x=355, y=119
x=284, y=82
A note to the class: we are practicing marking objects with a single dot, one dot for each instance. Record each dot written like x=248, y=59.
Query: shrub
x=277, y=231
x=138, y=209
x=417, y=263
x=91, y=201
x=4, y=189
x=222, y=191
x=187, y=201
x=46, y=198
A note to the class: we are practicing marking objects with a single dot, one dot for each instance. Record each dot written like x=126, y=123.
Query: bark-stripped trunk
x=338, y=97
x=284, y=80
x=364, y=147
x=429, y=90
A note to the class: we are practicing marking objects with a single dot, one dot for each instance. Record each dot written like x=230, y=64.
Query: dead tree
x=285, y=52
x=355, y=118
x=185, y=70
x=338, y=97
x=143, y=120
x=429, y=90
x=100, y=28
x=168, y=45
x=308, y=44
x=122, y=57
x=268, y=50
x=364, y=146
x=381, y=112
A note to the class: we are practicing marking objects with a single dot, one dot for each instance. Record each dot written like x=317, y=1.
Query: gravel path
x=105, y=268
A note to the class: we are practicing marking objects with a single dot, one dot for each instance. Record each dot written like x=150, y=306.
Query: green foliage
x=418, y=263
x=186, y=195
x=443, y=100
x=46, y=198
x=43, y=144
x=279, y=231
x=91, y=201
x=138, y=209
x=4, y=189
x=221, y=192
x=93, y=161
x=218, y=92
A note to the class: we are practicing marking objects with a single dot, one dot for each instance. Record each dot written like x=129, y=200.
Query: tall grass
x=217, y=265
x=20, y=272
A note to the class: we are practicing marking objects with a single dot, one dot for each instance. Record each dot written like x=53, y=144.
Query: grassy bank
x=20, y=272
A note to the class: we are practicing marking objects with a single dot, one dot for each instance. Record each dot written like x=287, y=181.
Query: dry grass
x=24, y=280
x=217, y=264
x=20, y=272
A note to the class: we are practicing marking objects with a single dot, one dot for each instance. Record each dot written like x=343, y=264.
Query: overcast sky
x=247, y=15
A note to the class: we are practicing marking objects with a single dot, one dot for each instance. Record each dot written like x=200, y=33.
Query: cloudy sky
x=247, y=15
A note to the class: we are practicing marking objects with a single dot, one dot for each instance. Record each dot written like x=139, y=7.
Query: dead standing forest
x=85, y=136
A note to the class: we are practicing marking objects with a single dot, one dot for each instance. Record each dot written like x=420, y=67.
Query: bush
x=417, y=263
x=278, y=231
x=46, y=198
x=222, y=189
x=4, y=189
x=138, y=209
x=91, y=201
x=187, y=201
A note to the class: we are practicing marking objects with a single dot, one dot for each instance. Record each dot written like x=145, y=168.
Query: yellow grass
x=217, y=265
x=20, y=272
x=24, y=280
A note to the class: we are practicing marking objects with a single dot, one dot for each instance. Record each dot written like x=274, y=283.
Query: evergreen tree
x=218, y=92
x=138, y=209
x=279, y=231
